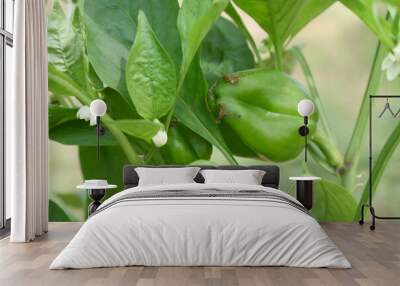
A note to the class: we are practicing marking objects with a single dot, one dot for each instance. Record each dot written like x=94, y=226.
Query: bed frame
x=270, y=179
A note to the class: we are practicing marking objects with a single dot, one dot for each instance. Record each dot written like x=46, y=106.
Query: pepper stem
x=333, y=156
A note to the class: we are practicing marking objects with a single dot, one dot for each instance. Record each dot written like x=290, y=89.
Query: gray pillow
x=166, y=176
x=244, y=177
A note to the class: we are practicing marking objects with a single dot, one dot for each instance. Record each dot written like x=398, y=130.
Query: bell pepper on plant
x=235, y=143
x=184, y=146
x=260, y=106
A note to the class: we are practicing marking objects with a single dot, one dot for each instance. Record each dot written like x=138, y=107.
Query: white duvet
x=200, y=231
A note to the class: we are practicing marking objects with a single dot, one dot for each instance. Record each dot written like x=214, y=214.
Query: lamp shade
x=98, y=107
x=305, y=107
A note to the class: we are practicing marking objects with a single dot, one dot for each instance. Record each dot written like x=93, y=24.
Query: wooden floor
x=375, y=257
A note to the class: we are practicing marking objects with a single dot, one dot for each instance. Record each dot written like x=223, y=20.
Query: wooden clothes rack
x=370, y=165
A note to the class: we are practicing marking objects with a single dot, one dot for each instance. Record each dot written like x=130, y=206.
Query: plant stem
x=320, y=158
x=298, y=54
x=68, y=84
x=122, y=140
x=278, y=56
x=333, y=156
x=379, y=166
x=149, y=154
x=352, y=156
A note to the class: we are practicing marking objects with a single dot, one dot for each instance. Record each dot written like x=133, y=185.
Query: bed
x=198, y=224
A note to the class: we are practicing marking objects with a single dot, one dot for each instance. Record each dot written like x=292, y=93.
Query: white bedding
x=200, y=231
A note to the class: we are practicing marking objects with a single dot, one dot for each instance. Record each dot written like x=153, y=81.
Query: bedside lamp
x=305, y=109
x=98, y=108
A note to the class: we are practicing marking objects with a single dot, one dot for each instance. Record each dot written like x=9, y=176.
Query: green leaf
x=394, y=3
x=111, y=28
x=139, y=128
x=59, y=79
x=191, y=110
x=224, y=51
x=150, y=74
x=109, y=167
x=71, y=200
x=203, y=163
x=55, y=86
x=332, y=202
x=234, y=15
x=367, y=12
x=194, y=21
x=201, y=148
x=283, y=19
x=57, y=213
x=65, y=44
x=79, y=132
x=94, y=79
x=59, y=114
x=61, y=84
x=118, y=106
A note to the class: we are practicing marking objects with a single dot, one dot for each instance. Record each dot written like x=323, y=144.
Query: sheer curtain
x=26, y=124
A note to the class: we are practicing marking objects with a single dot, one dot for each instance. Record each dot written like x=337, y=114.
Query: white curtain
x=26, y=124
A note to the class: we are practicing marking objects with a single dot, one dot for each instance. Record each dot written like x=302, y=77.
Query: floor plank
x=375, y=257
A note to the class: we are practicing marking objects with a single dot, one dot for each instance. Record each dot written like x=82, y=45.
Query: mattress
x=201, y=225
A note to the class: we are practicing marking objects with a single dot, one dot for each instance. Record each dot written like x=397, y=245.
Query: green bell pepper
x=235, y=143
x=260, y=107
x=184, y=146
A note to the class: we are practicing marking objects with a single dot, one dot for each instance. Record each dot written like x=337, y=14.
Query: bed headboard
x=271, y=177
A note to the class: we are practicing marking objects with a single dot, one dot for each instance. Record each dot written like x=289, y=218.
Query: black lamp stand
x=304, y=131
x=100, y=131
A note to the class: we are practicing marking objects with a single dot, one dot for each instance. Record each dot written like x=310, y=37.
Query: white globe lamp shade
x=98, y=107
x=305, y=107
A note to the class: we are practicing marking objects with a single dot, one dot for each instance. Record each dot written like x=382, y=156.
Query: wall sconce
x=98, y=108
x=305, y=109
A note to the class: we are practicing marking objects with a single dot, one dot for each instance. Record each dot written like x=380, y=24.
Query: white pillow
x=166, y=176
x=245, y=177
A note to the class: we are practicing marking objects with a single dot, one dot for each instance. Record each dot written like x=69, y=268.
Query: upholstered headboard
x=271, y=177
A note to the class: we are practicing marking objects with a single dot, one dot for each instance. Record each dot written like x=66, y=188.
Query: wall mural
x=198, y=79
